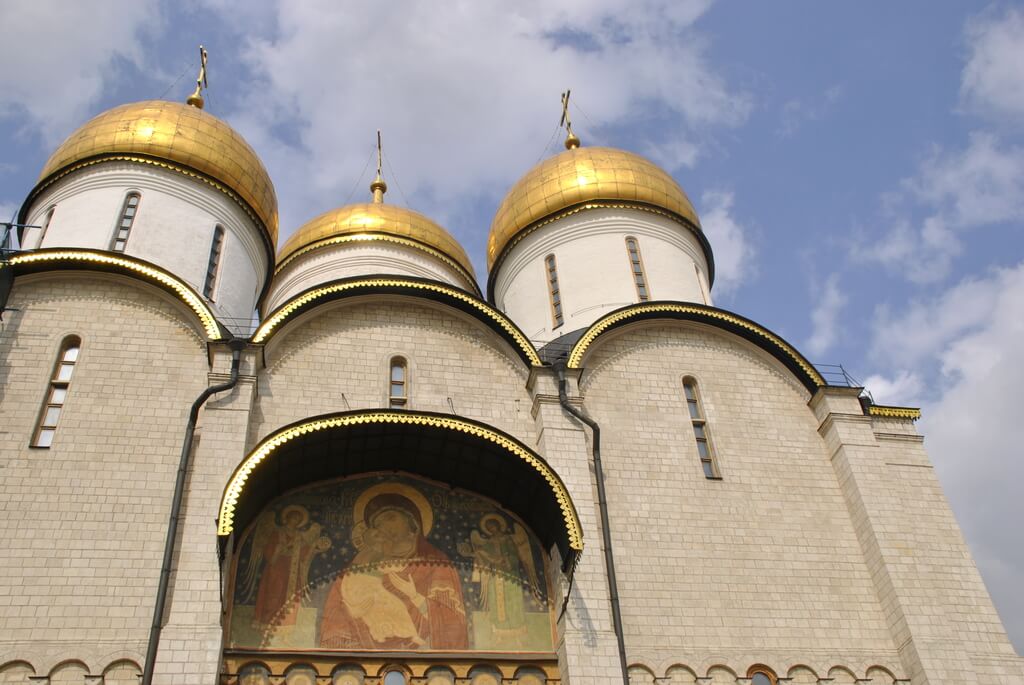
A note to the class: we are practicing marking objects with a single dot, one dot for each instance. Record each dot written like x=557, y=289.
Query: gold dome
x=374, y=219
x=578, y=176
x=182, y=135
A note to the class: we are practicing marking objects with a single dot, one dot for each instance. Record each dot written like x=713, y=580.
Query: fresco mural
x=389, y=562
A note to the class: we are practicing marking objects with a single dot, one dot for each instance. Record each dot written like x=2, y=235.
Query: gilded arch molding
x=261, y=459
x=712, y=316
x=43, y=260
x=409, y=286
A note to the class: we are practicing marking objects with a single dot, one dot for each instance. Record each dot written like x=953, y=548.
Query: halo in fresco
x=389, y=562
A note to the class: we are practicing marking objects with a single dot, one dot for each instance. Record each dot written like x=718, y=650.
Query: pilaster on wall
x=939, y=613
x=587, y=649
x=191, y=642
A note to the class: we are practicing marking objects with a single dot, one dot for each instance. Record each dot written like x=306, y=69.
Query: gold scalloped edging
x=594, y=204
x=287, y=309
x=170, y=167
x=580, y=348
x=910, y=413
x=371, y=236
x=185, y=293
x=233, y=492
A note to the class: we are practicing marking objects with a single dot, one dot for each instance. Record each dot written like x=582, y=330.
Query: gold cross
x=565, y=112
x=201, y=79
x=380, y=154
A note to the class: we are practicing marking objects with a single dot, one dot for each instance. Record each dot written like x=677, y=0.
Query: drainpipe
x=602, y=505
x=172, y=524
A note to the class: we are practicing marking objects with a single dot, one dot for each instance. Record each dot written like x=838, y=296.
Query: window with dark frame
x=124, y=226
x=556, y=295
x=636, y=266
x=700, y=430
x=213, y=265
x=46, y=225
x=398, y=384
x=57, y=392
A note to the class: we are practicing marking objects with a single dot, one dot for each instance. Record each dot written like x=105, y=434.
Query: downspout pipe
x=602, y=505
x=175, y=517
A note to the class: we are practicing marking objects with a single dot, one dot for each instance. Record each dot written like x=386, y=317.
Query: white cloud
x=58, y=56
x=825, y=317
x=992, y=82
x=966, y=339
x=734, y=255
x=926, y=327
x=799, y=111
x=467, y=94
x=951, y=194
x=902, y=389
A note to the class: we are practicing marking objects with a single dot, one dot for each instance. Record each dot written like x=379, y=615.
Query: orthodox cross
x=196, y=98
x=571, y=141
x=565, y=112
x=379, y=187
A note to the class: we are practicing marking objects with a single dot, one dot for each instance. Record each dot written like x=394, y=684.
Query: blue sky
x=859, y=170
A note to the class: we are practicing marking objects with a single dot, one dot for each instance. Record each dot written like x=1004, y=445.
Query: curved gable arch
x=90, y=260
x=719, y=318
x=416, y=287
x=457, y=451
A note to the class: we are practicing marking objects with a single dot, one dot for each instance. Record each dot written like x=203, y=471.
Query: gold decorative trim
x=183, y=291
x=233, y=492
x=889, y=412
x=199, y=176
x=266, y=329
x=580, y=348
x=373, y=236
x=592, y=204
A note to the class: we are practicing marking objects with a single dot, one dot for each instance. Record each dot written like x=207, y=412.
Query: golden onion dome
x=177, y=136
x=376, y=221
x=579, y=177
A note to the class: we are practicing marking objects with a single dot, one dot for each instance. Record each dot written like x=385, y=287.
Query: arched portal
x=394, y=540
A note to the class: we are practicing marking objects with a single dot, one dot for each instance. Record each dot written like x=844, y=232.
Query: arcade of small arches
x=117, y=670
x=799, y=673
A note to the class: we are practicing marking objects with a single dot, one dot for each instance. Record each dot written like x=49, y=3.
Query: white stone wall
x=358, y=258
x=938, y=611
x=763, y=566
x=173, y=228
x=336, y=358
x=82, y=524
x=826, y=552
x=594, y=272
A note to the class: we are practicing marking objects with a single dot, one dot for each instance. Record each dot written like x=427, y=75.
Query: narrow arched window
x=636, y=266
x=46, y=225
x=213, y=265
x=398, y=384
x=395, y=678
x=124, y=226
x=700, y=429
x=57, y=392
x=556, y=294
x=762, y=675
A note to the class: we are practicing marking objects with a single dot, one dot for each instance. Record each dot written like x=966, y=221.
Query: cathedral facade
x=583, y=472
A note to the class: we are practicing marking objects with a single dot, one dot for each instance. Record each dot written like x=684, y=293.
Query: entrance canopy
x=455, y=451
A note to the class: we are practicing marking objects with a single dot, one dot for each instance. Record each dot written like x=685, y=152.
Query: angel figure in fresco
x=278, y=568
x=503, y=565
x=400, y=591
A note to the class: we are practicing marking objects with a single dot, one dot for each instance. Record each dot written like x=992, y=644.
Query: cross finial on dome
x=379, y=187
x=196, y=98
x=571, y=140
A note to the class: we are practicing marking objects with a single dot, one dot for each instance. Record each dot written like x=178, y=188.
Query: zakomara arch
x=457, y=451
